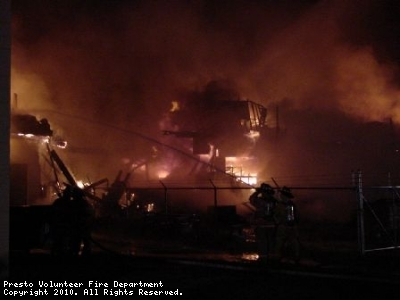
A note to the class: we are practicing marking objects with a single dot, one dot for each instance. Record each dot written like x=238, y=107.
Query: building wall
x=25, y=171
x=5, y=61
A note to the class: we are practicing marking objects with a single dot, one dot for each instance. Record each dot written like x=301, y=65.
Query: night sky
x=105, y=73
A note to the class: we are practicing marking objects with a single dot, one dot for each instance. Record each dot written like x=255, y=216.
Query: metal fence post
x=360, y=214
x=165, y=197
x=215, y=194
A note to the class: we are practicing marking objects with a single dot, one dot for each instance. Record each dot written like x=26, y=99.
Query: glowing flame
x=250, y=256
x=30, y=136
x=253, y=134
x=241, y=168
x=150, y=207
x=162, y=174
x=80, y=184
x=60, y=144
x=175, y=106
x=250, y=179
x=127, y=200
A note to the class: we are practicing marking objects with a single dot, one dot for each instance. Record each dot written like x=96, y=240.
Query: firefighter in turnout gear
x=72, y=216
x=264, y=202
x=61, y=223
x=83, y=216
x=287, y=236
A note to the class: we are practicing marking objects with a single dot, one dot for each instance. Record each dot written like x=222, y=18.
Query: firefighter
x=61, y=223
x=287, y=236
x=83, y=215
x=264, y=202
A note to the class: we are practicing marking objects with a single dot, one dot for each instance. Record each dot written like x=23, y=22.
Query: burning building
x=29, y=185
x=28, y=137
x=127, y=71
x=219, y=131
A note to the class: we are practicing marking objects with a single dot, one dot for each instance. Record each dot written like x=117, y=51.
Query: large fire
x=111, y=91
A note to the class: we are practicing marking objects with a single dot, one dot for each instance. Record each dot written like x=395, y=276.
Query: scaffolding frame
x=364, y=204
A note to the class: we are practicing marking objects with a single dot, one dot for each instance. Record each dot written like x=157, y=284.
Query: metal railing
x=377, y=208
x=381, y=208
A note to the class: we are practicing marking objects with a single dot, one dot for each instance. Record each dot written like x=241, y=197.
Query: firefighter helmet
x=266, y=188
x=285, y=191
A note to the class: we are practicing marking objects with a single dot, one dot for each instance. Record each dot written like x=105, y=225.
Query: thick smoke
x=105, y=73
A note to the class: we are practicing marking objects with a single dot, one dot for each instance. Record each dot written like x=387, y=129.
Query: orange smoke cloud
x=365, y=88
x=124, y=65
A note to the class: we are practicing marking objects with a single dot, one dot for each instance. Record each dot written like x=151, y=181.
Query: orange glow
x=126, y=200
x=175, y=106
x=35, y=138
x=250, y=179
x=250, y=256
x=162, y=174
x=80, y=184
x=150, y=207
x=243, y=168
x=253, y=134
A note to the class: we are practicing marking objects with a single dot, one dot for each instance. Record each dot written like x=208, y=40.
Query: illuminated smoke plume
x=106, y=72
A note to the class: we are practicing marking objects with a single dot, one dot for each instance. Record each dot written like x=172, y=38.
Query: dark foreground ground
x=212, y=266
x=203, y=278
